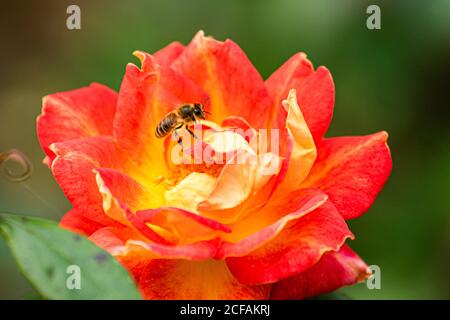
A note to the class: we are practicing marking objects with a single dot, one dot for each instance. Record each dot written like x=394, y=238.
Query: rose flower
x=272, y=225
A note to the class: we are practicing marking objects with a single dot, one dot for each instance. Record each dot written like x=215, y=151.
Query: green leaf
x=45, y=253
x=33, y=296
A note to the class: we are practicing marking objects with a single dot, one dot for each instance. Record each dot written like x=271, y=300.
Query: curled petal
x=188, y=227
x=233, y=84
x=352, y=171
x=261, y=226
x=111, y=239
x=301, y=152
x=72, y=169
x=242, y=178
x=334, y=270
x=122, y=197
x=118, y=189
x=207, y=280
x=125, y=243
x=315, y=93
x=147, y=229
x=189, y=192
x=201, y=250
x=80, y=113
x=297, y=248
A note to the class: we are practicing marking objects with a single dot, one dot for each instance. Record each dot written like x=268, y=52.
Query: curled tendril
x=18, y=157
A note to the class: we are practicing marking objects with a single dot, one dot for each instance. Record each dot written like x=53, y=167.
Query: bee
x=184, y=115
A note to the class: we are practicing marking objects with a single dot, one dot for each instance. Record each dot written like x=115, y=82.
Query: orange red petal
x=186, y=226
x=207, y=280
x=297, y=248
x=73, y=170
x=334, y=270
x=84, y=112
x=75, y=220
x=261, y=226
x=167, y=55
x=315, y=93
x=352, y=171
x=233, y=84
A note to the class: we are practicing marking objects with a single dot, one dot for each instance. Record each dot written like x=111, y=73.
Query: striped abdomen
x=166, y=125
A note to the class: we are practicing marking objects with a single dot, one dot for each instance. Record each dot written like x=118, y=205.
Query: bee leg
x=190, y=131
x=179, y=140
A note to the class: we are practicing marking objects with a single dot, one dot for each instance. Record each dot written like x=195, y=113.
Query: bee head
x=198, y=111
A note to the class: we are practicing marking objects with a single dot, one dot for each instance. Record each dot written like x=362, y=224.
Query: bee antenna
x=207, y=112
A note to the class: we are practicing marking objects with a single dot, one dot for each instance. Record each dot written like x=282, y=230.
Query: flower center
x=179, y=172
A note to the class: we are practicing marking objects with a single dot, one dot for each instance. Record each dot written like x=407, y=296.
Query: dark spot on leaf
x=49, y=272
x=101, y=257
x=24, y=219
x=76, y=237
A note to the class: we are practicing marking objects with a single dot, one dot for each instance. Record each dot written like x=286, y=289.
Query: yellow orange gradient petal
x=303, y=152
x=201, y=250
x=234, y=183
x=117, y=188
x=261, y=225
x=181, y=279
x=192, y=190
x=186, y=226
x=242, y=187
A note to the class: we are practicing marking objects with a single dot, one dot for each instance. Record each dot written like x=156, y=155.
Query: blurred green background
x=395, y=79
